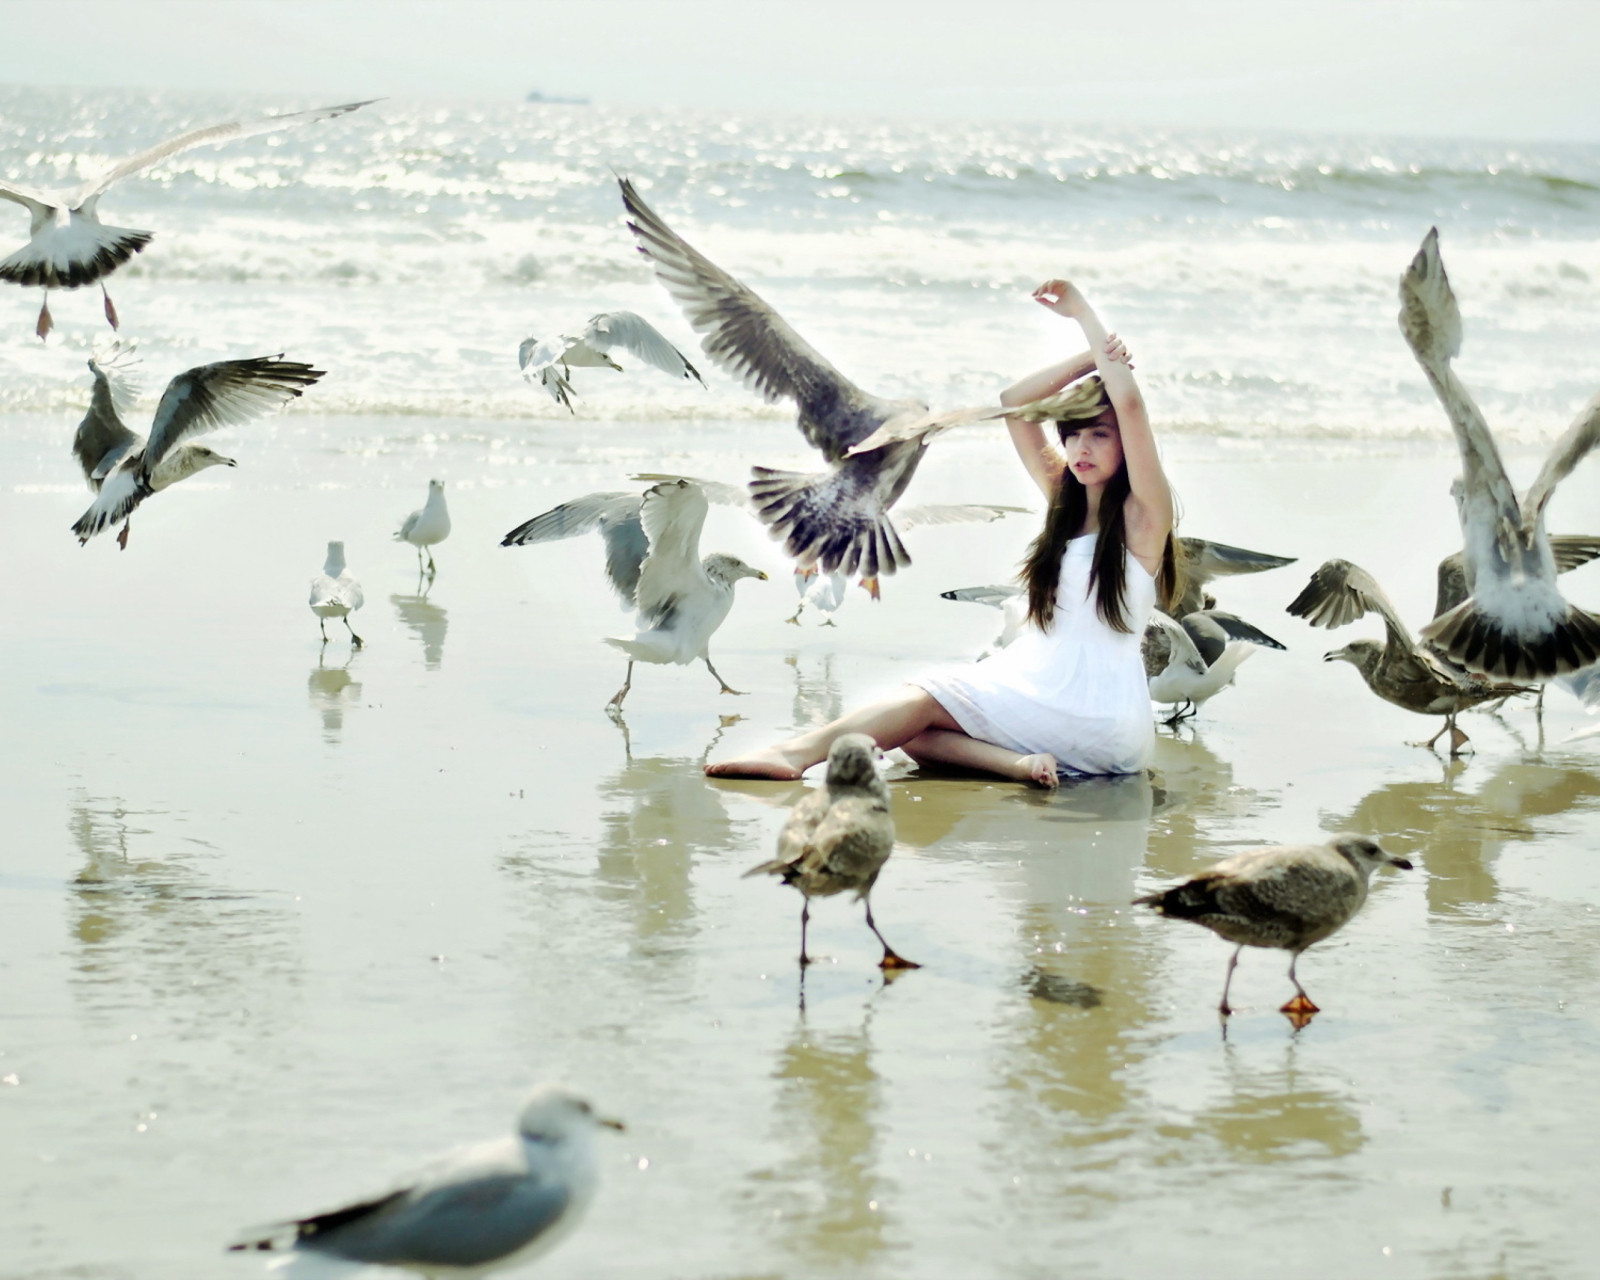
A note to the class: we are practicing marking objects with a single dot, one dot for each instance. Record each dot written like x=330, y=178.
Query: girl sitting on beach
x=1070, y=692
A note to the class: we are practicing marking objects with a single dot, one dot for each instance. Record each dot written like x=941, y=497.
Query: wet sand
x=279, y=922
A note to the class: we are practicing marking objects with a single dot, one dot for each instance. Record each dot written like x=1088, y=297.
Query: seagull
x=824, y=592
x=652, y=558
x=427, y=526
x=836, y=518
x=733, y=495
x=102, y=440
x=474, y=1210
x=1191, y=659
x=838, y=837
x=128, y=470
x=335, y=594
x=70, y=247
x=1290, y=897
x=549, y=361
x=1413, y=675
x=1515, y=625
x=1009, y=598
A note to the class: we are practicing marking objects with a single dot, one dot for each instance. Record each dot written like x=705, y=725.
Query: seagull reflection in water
x=332, y=690
x=427, y=621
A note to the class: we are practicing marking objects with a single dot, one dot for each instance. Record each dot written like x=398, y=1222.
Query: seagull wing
x=1569, y=451
x=102, y=440
x=1175, y=642
x=537, y=354
x=724, y=495
x=35, y=202
x=636, y=334
x=1431, y=323
x=672, y=514
x=1339, y=593
x=750, y=340
x=954, y=513
x=215, y=133
x=923, y=425
x=220, y=395
x=993, y=596
x=615, y=515
x=1203, y=561
x=1230, y=627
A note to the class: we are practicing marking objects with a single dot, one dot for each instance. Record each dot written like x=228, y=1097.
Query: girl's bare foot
x=1039, y=769
x=767, y=763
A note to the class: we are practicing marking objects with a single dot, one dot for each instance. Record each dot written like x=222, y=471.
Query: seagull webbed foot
x=891, y=961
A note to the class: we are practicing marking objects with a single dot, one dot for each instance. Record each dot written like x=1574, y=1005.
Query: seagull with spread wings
x=1401, y=670
x=550, y=361
x=1515, y=625
x=653, y=561
x=838, y=518
x=1191, y=659
x=70, y=247
x=126, y=470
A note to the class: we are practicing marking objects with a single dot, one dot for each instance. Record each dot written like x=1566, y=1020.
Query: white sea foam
x=408, y=248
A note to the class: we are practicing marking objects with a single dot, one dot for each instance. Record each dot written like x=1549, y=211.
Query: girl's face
x=1094, y=451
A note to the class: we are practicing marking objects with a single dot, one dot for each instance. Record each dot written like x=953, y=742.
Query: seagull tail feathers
x=777, y=867
x=122, y=491
x=72, y=256
x=801, y=509
x=1187, y=901
x=1481, y=642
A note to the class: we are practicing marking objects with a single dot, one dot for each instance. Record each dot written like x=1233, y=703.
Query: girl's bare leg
x=891, y=722
x=941, y=746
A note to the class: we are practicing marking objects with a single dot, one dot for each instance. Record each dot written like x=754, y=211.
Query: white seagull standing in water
x=70, y=246
x=1515, y=625
x=335, y=594
x=550, y=361
x=427, y=526
x=125, y=470
x=491, y=1205
x=653, y=560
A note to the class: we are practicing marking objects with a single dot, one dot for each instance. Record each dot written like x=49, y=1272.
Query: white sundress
x=1077, y=690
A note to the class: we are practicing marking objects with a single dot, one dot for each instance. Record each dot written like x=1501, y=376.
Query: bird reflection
x=427, y=621
x=1458, y=834
x=827, y=1193
x=817, y=696
x=1196, y=787
x=157, y=933
x=333, y=689
x=1273, y=1115
x=658, y=813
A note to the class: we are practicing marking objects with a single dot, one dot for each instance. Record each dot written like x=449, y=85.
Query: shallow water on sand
x=282, y=921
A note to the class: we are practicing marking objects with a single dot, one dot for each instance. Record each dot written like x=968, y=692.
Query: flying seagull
x=838, y=518
x=838, y=837
x=335, y=594
x=1288, y=897
x=426, y=527
x=209, y=396
x=1411, y=674
x=102, y=440
x=550, y=361
x=70, y=246
x=1515, y=625
x=653, y=561
x=491, y=1205
x=1191, y=659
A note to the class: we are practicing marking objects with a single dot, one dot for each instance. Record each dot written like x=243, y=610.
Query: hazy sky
x=1497, y=68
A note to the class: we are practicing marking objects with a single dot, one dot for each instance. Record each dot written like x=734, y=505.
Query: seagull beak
x=609, y=1123
x=761, y=575
x=1403, y=863
x=1334, y=656
x=230, y=462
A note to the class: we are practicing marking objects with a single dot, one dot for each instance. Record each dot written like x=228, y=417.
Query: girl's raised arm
x=1150, y=506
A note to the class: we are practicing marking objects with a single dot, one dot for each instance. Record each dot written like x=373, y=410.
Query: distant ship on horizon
x=554, y=99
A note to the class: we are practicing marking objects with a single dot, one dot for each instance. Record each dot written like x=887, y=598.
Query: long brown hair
x=1069, y=506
